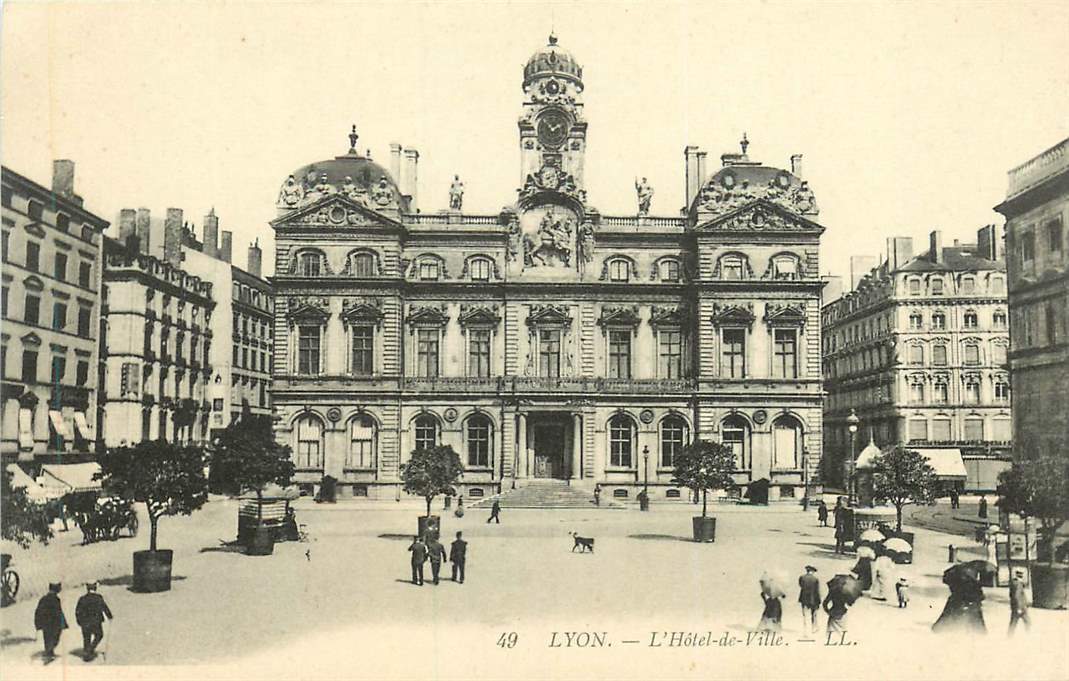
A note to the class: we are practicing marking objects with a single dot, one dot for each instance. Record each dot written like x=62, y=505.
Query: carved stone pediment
x=308, y=309
x=362, y=311
x=427, y=315
x=739, y=314
x=337, y=210
x=31, y=339
x=479, y=315
x=760, y=216
x=668, y=316
x=549, y=315
x=622, y=315
x=787, y=314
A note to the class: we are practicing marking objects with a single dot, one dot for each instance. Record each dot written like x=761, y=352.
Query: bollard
x=952, y=554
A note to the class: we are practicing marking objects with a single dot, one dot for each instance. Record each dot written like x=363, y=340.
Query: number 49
x=508, y=640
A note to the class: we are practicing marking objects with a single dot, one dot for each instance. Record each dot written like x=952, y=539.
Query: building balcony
x=452, y=384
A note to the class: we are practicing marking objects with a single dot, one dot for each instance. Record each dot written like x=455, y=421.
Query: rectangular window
x=29, y=366
x=3, y=302
x=940, y=394
x=363, y=350
x=937, y=287
x=4, y=236
x=785, y=353
x=361, y=444
x=1054, y=236
x=733, y=353
x=941, y=430
x=59, y=369
x=61, y=267
x=671, y=353
x=59, y=316
x=1028, y=246
x=916, y=393
x=82, y=375
x=939, y=355
x=428, y=270
x=972, y=393
x=916, y=355
x=1051, y=319
x=972, y=354
x=308, y=346
x=918, y=430
x=85, y=274
x=84, y=317
x=427, y=353
x=479, y=353
x=619, y=353
x=33, y=255
x=63, y=222
x=549, y=353
x=35, y=209
x=914, y=287
x=5, y=196
x=974, y=429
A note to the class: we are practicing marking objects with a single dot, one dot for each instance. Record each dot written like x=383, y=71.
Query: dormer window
x=968, y=284
x=480, y=269
x=914, y=287
x=428, y=270
x=619, y=270
x=937, y=287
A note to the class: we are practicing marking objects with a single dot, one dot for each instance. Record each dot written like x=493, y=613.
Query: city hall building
x=547, y=342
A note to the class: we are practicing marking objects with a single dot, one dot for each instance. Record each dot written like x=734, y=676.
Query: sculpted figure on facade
x=320, y=189
x=456, y=194
x=586, y=242
x=291, y=194
x=552, y=244
x=803, y=198
x=515, y=238
x=645, y=196
x=382, y=195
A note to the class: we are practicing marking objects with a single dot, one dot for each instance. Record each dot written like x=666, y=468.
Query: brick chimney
x=796, y=165
x=144, y=230
x=935, y=246
x=989, y=242
x=173, y=228
x=211, y=234
x=256, y=259
x=411, y=178
x=226, y=246
x=63, y=178
x=395, y=162
x=127, y=226
x=692, y=179
x=899, y=251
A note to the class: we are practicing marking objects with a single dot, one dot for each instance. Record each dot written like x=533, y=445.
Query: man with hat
x=809, y=598
x=49, y=619
x=1018, y=601
x=90, y=613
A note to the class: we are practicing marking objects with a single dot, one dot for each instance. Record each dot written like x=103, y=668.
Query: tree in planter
x=246, y=456
x=703, y=466
x=1035, y=486
x=430, y=472
x=22, y=521
x=168, y=478
x=900, y=476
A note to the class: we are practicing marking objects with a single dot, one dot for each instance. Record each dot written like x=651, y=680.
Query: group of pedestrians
x=430, y=549
x=811, y=598
x=89, y=614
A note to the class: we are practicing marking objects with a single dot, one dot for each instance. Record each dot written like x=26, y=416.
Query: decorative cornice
x=760, y=216
x=427, y=315
x=479, y=315
x=619, y=315
x=549, y=315
x=786, y=314
x=669, y=316
x=308, y=309
x=733, y=315
x=365, y=310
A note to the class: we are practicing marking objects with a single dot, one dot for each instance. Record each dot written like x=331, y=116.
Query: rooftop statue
x=456, y=194
x=291, y=194
x=645, y=195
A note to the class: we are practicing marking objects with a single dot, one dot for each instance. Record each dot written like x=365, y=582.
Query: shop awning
x=60, y=425
x=946, y=462
x=20, y=480
x=70, y=477
x=82, y=426
x=273, y=492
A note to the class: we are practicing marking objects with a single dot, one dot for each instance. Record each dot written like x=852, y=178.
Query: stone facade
x=548, y=340
x=51, y=312
x=918, y=351
x=1037, y=213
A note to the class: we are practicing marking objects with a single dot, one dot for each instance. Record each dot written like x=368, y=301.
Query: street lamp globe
x=852, y=420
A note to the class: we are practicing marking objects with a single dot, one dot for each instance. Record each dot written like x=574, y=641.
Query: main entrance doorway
x=551, y=443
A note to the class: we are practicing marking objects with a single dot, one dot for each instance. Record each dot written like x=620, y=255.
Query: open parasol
x=897, y=544
x=846, y=587
x=772, y=585
x=866, y=552
x=871, y=534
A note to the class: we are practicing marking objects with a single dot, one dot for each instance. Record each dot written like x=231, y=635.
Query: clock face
x=553, y=128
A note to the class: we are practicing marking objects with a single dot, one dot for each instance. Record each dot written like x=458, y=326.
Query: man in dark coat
x=809, y=598
x=983, y=507
x=436, y=552
x=458, y=553
x=419, y=556
x=49, y=619
x=90, y=613
x=822, y=513
x=495, y=513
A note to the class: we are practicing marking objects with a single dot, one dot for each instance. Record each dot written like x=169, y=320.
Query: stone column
x=577, y=444
x=522, y=454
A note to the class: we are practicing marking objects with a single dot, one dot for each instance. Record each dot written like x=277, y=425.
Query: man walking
x=436, y=553
x=49, y=619
x=809, y=598
x=982, y=512
x=1018, y=602
x=458, y=553
x=495, y=513
x=90, y=613
x=419, y=556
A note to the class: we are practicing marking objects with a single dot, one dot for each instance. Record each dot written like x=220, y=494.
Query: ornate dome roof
x=868, y=455
x=741, y=181
x=354, y=175
x=551, y=60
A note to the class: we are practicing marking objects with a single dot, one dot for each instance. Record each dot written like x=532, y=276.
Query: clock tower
x=552, y=128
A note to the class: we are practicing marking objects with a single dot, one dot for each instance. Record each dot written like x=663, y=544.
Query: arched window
x=998, y=319
x=733, y=266
x=786, y=443
x=362, y=442
x=916, y=321
x=939, y=355
x=914, y=286
x=916, y=355
x=968, y=284
x=310, y=264
x=480, y=269
x=478, y=433
x=939, y=321
x=363, y=265
x=972, y=354
x=970, y=320
x=669, y=270
x=673, y=439
x=785, y=266
x=936, y=285
x=426, y=432
x=998, y=285
x=1002, y=391
x=621, y=441
x=735, y=434
x=974, y=428
x=619, y=270
x=309, y=437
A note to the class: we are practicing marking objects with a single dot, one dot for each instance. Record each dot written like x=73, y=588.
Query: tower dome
x=552, y=60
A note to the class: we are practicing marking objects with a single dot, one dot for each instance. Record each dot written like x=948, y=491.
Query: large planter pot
x=261, y=543
x=429, y=526
x=152, y=570
x=704, y=529
x=1050, y=586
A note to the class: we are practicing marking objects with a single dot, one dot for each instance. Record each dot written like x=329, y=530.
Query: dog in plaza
x=582, y=543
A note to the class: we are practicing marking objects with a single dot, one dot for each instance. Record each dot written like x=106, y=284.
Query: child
x=902, y=589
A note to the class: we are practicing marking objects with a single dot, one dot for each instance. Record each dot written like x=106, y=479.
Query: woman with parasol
x=771, y=593
x=843, y=591
x=863, y=567
x=883, y=574
x=963, y=612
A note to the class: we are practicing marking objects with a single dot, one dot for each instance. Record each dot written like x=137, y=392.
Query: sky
x=909, y=115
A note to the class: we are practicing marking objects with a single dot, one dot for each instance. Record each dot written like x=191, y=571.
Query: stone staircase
x=546, y=494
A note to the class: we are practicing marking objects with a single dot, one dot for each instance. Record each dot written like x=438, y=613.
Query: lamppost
x=852, y=421
x=645, y=503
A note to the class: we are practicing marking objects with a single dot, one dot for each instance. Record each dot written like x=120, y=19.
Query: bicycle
x=9, y=580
